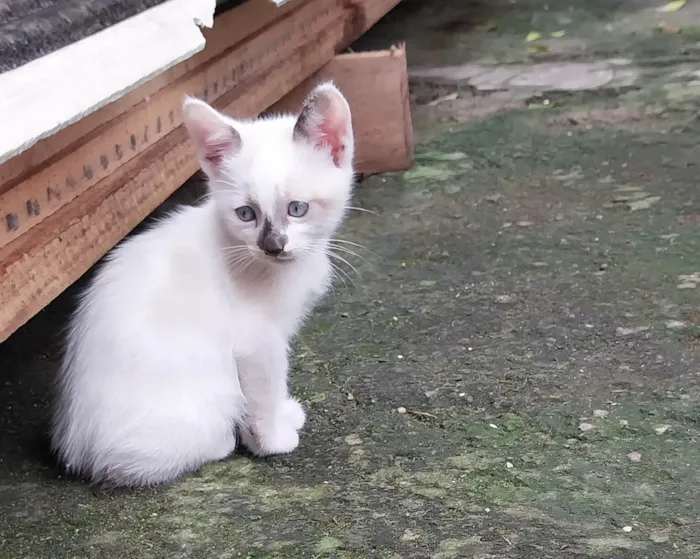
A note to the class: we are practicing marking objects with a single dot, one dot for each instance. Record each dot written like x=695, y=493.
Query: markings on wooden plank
x=12, y=221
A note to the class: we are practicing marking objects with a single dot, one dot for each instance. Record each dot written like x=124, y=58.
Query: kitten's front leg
x=272, y=416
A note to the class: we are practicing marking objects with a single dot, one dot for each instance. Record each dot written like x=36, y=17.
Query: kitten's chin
x=279, y=260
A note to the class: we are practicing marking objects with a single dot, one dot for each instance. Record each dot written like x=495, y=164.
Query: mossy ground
x=512, y=373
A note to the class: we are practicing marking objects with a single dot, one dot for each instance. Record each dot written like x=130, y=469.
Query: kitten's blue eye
x=297, y=209
x=245, y=213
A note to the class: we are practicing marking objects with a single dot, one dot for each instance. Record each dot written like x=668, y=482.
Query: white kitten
x=182, y=338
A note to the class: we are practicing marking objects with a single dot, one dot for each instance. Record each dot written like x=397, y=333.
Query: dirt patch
x=605, y=116
x=462, y=110
x=689, y=217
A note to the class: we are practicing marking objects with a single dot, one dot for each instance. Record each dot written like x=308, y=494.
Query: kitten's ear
x=213, y=135
x=325, y=121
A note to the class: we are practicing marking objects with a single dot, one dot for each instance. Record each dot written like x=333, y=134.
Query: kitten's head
x=281, y=184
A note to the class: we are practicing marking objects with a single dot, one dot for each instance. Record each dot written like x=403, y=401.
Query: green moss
x=328, y=544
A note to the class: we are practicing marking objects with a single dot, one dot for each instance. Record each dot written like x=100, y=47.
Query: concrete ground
x=513, y=370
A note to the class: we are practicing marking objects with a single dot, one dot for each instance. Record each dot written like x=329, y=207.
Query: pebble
x=658, y=538
x=620, y=331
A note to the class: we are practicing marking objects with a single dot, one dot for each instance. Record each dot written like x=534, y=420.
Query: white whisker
x=341, y=275
x=349, y=243
x=360, y=210
x=344, y=261
x=350, y=252
x=234, y=249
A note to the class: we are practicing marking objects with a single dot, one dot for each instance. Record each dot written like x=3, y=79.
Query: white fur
x=182, y=337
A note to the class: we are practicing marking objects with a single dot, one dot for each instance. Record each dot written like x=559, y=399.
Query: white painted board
x=51, y=92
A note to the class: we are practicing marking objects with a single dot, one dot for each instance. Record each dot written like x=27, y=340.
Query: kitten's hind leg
x=159, y=454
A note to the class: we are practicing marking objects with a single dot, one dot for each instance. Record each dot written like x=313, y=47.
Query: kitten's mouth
x=283, y=258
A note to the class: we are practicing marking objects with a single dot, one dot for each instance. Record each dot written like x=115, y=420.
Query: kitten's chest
x=284, y=312
x=283, y=304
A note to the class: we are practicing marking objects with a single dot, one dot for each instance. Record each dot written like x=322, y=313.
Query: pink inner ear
x=329, y=133
x=214, y=150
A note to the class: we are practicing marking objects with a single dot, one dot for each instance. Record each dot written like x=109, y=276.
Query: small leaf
x=558, y=34
x=448, y=97
x=623, y=332
x=488, y=27
x=533, y=36
x=658, y=538
x=539, y=48
x=643, y=204
x=541, y=106
x=672, y=6
x=694, y=277
x=670, y=29
x=630, y=196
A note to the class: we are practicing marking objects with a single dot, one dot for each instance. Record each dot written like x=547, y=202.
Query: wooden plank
x=376, y=86
x=38, y=265
x=231, y=28
x=113, y=144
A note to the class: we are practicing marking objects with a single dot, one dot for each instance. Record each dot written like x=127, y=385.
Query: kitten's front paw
x=293, y=413
x=266, y=439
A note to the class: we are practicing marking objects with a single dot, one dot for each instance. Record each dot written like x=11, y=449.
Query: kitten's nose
x=273, y=245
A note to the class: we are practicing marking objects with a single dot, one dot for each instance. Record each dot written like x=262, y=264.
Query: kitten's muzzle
x=271, y=240
x=273, y=245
